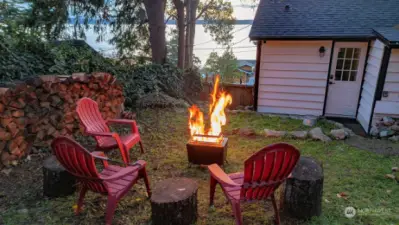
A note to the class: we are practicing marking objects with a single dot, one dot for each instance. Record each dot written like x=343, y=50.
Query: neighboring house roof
x=322, y=19
x=389, y=34
x=246, y=71
x=246, y=62
x=241, y=63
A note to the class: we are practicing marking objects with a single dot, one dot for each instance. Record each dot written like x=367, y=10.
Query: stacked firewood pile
x=34, y=112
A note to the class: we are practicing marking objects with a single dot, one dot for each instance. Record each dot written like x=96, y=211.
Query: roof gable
x=322, y=19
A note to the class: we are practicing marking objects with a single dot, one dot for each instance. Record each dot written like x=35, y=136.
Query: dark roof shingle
x=390, y=34
x=322, y=18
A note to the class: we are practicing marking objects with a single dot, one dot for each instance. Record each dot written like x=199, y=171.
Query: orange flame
x=196, y=121
x=217, y=115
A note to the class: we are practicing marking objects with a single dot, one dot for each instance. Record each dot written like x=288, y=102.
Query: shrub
x=28, y=56
x=192, y=82
x=142, y=80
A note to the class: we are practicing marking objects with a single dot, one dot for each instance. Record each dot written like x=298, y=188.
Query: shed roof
x=389, y=34
x=322, y=19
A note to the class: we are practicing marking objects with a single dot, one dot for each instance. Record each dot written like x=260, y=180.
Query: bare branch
x=167, y=20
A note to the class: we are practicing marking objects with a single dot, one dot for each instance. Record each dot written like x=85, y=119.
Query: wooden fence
x=242, y=94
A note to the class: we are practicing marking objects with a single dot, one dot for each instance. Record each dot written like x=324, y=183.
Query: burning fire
x=216, y=112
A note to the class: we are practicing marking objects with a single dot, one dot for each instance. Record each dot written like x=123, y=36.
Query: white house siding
x=389, y=106
x=292, y=77
x=370, y=83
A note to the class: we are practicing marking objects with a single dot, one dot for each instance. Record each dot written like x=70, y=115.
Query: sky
x=242, y=47
x=240, y=41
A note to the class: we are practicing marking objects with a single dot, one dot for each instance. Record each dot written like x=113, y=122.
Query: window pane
x=345, y=76
x=357, y=53
x=349, y=53
x=341, y=53
x=338, y=75
x=340, y=63
x=353, y=76
x=347, y=64
x=355, y=64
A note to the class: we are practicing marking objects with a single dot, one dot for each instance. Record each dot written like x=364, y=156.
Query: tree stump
x=304, y=190
x=174, y=202
x=57, y=182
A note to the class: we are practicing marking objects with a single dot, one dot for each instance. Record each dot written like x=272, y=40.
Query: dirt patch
x=23, y=185
x=382, y=147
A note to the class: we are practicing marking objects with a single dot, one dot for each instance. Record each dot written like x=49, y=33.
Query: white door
x=345, y=79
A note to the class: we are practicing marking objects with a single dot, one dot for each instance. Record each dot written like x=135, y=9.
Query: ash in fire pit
x=209, y=147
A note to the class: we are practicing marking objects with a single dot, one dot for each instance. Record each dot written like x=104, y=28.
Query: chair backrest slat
x=79, y=162
x=267, y=169
x=278, y=164
x=90, y=116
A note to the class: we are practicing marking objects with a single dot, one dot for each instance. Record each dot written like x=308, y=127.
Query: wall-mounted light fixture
x=322, y=51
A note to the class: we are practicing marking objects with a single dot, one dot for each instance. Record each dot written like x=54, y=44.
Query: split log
x=13, y=129
x=174, y=202
x=57, y=182
x=4, y=135
x=21, y=122
x=304, y=190
x=2, y=145
x=18, y=113
x=5, y=158
x=45, y=108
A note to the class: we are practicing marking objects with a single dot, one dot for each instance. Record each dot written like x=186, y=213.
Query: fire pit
x=206, y=153
x=209, y=147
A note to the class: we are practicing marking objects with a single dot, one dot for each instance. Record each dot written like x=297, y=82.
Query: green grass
x=358, y=173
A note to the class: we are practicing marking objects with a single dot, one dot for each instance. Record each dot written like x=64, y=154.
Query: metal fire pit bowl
x=204, y=153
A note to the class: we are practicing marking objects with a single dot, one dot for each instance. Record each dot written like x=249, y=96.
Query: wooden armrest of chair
x=122, y=173
x=124, y=121
x=101, y=156
x=125, y=155
x=218, y=174
x=103, y=134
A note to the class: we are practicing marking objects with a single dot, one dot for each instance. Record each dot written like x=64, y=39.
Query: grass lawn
x=358, y=173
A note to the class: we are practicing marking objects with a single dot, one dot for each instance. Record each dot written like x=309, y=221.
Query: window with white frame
x=347, y=64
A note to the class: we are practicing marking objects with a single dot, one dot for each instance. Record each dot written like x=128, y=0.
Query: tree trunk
x=57, y=182
x=155, y=12
x=304, y=190
x=181, y=28
x=174, y=202
x=190, y=34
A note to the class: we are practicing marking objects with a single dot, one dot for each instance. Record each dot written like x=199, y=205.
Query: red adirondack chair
x=264, y=172
x=113, y=181
x=96, y=126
